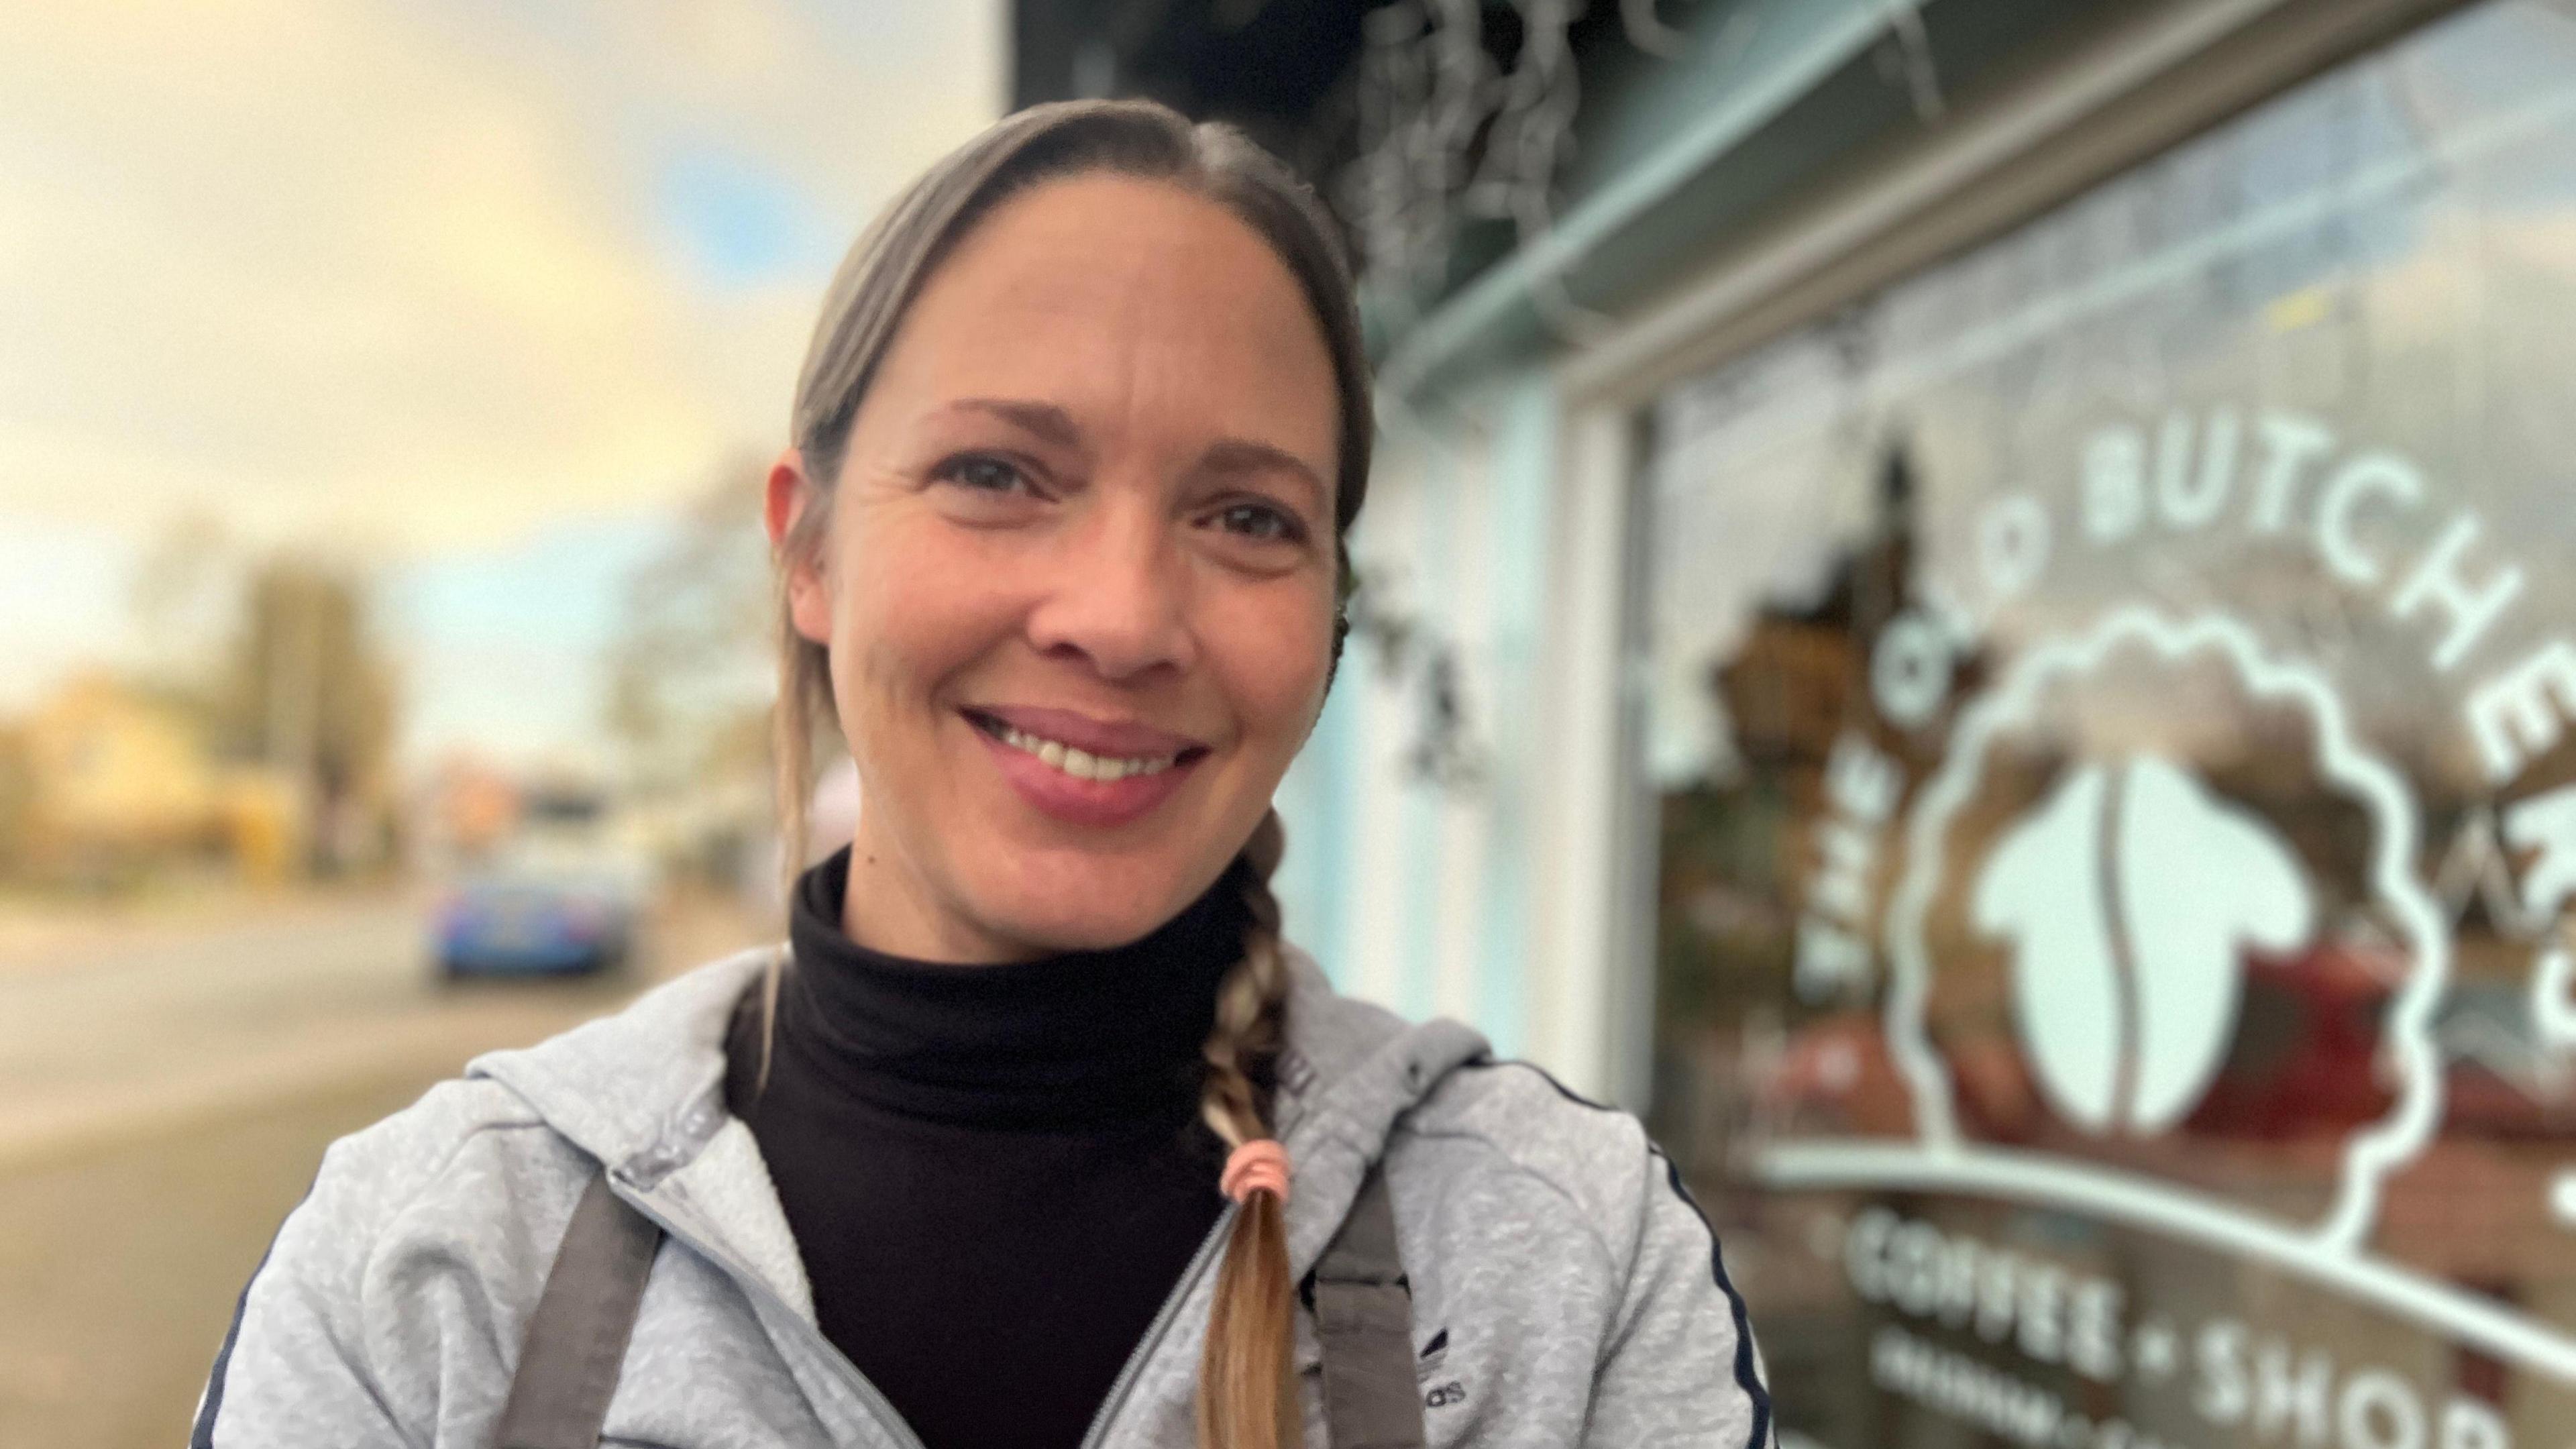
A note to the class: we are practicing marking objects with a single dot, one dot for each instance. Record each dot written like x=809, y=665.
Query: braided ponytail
x=1247, y=1384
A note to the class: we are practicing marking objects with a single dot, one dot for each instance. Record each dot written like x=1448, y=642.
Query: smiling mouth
x=1079, y=763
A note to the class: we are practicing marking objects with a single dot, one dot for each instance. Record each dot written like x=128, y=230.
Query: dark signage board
x=2114, y=716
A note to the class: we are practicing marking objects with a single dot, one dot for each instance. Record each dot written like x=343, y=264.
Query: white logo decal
x=2344, y=764
x=2127, y=898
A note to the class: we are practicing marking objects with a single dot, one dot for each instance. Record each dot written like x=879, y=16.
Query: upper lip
x=1117, y=739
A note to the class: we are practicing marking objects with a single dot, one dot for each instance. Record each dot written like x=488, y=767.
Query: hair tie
x=1260, y=1165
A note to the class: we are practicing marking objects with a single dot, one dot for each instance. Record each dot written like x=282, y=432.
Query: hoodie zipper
x=1125, y=1383
x=870, y=1396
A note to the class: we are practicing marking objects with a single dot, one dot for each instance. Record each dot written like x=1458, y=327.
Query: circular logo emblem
x=2072, y=887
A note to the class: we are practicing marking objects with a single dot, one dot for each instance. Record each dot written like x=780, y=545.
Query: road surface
x=164, y=1098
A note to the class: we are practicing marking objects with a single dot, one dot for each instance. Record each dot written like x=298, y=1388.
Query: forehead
x=1116, y=293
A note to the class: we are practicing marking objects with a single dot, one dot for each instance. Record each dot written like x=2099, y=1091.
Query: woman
x=1037, y=1134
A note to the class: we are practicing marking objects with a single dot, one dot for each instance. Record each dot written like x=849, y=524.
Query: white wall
x=1475, y=899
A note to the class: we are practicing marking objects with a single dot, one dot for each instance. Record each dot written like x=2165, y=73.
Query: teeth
x=1082, y=764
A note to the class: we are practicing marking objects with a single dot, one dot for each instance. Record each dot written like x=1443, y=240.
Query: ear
x=789, y=494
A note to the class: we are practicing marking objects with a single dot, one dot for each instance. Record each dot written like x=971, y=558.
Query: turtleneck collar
x=1081, y=1038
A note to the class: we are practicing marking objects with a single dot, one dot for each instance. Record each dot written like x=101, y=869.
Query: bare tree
x=309, y=693
x=689, y=675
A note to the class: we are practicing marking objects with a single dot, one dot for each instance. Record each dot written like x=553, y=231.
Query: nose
x=1119, y=599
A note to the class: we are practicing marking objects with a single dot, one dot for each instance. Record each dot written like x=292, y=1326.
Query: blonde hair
x=1247, y=1394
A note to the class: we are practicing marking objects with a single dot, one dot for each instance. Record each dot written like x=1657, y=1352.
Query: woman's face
x=1078, y=581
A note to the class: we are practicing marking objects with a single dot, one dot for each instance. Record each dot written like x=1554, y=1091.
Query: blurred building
x=1964, y=605
x=116, y=783
x=260, y=762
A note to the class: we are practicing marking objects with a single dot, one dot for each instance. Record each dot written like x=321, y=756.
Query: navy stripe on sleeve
x=1747, y=1376
x=212, y=1403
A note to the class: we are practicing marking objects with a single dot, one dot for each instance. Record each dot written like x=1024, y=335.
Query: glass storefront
x=2114, y=718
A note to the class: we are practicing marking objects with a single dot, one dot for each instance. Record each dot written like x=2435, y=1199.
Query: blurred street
x=166, y=1090
x=409, y=616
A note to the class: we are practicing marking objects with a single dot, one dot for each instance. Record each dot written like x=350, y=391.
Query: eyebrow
x=1224, y=456
x=1242, y=455
x=1044, y=419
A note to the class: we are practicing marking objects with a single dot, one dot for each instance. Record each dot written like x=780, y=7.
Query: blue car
x=519, y=923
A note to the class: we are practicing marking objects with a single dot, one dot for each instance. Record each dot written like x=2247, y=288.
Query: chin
x=1090, y=906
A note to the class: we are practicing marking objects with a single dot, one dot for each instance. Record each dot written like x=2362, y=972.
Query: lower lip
x=1096, y=803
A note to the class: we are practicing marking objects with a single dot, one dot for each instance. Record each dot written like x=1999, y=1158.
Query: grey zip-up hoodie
x=1565, y=1290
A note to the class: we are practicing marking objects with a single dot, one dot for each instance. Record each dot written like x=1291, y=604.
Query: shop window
x=2114, y=721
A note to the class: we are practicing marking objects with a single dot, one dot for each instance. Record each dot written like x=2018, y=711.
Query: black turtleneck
x=995, y=1173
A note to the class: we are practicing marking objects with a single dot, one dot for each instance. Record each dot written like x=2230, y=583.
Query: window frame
x=2056, y=124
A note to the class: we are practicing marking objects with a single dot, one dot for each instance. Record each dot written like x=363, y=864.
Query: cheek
x=908, y=620
x=1271, y=657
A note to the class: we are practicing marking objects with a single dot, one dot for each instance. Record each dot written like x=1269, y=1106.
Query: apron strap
x=576, y=1340
x=1364, y=1325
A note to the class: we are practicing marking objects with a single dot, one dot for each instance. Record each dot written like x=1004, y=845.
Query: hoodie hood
x=641, y=1090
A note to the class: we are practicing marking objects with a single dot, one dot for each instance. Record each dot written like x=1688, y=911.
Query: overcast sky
x=472, y=291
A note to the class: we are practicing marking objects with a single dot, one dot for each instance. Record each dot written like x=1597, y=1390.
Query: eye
x=983, y=473
x=1262, y=522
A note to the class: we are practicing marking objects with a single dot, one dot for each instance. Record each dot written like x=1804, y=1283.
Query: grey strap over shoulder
x=577, y=1338
x=1364, y=1325
x=576, y=1341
